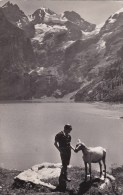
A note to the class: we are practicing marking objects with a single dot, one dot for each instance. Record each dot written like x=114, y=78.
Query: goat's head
x=79, y=146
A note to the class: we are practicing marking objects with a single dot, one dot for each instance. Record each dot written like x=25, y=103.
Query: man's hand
x=57, y=146
x=72, y=148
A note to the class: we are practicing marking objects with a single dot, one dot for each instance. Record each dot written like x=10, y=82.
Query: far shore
x=100, y=104
x=105, y=106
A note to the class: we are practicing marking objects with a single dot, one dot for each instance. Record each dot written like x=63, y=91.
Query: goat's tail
x=104, y=154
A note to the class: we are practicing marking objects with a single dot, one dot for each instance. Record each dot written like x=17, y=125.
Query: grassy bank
x=77, y=186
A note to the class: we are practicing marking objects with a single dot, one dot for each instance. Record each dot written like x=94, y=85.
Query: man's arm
x=57, y=145
x=72, y=148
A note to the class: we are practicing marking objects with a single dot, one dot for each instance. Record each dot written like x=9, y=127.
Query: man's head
x=67, y=128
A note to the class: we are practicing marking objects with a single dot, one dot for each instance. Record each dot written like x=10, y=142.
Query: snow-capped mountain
x=72, y=54
x=46, y=20
x=54, y=33
x=45, y=15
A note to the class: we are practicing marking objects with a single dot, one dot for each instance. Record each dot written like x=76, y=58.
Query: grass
x=77, y=186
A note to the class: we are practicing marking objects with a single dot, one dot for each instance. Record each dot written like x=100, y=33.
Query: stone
x=40, y=172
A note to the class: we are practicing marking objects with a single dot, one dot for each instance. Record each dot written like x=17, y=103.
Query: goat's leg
x=104, y=167
x=90, y=170
x=104, y=162
x=85, y=171
x=100, y=164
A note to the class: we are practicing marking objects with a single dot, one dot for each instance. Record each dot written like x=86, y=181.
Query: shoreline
x=99, y=105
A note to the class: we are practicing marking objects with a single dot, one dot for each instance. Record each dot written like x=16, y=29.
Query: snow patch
x=31, y=18
x=63, y=16
x=45, y=71
x=38, y=70
x=111, y=20
x=67, y=44
x=101, y=45
x=87, y=35
x=25, y=19
x=54, y=19
x=19, y=24
x=106, y=35
x=44, y=9
x=99, y=26
x=41, y=29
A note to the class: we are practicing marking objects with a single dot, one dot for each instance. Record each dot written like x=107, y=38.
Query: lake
x=27, y=132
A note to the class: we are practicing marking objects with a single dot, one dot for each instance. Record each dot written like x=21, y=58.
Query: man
x=62, y=143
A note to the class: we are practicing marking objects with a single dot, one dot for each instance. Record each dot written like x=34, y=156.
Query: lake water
x=27, y=132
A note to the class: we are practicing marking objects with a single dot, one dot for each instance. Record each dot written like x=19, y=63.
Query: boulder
x=38, y=173
x=106, y=184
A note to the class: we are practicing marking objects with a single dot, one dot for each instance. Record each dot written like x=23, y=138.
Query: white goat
x=92, y=155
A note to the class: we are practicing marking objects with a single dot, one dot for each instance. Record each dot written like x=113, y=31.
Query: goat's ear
x=79, y=141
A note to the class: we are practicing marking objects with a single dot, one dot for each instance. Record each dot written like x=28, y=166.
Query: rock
x=40, y=172
x=111, y=177
x=106, y=184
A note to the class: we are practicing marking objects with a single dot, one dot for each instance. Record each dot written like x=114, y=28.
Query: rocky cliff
x=16, y=59
x=18, y=18
x=105, y=77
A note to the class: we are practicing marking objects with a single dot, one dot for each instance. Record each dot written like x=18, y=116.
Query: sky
x=93, y=11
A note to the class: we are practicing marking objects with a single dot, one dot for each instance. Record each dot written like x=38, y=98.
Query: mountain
x=80, y=22
x=18, y=18
x=54, y=33
x=72, y=55
x=114, y=22
x=105, y=77
x=44, y=15
x=71, y=20
x=16, y=59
